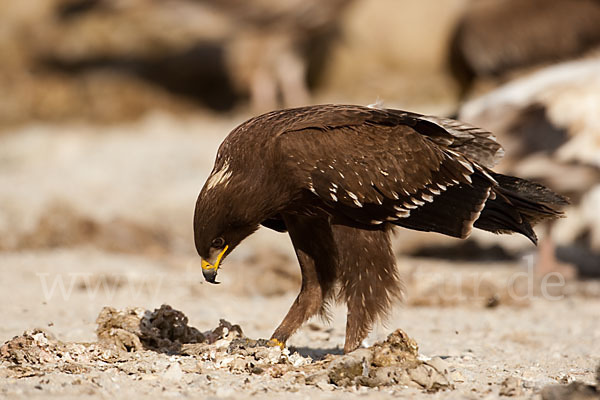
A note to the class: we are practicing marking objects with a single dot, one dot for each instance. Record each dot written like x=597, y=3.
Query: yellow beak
x=210, y=267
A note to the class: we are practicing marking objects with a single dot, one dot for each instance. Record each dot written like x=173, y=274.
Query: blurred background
x=111, y=112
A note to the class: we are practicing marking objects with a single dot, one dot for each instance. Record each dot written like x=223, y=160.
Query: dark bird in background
x=338, y=179
x=498, y=39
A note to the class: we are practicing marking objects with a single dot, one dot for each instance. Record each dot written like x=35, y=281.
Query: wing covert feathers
x=426, y=173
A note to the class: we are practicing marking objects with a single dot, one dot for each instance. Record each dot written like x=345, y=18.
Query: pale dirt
x=125, y=196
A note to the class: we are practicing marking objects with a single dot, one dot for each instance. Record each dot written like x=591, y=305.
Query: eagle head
x=223, y=217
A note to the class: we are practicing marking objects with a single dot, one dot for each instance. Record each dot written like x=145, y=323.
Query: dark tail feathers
x=519, y=205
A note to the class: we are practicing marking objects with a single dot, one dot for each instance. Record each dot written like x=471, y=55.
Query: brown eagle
x=338, y=179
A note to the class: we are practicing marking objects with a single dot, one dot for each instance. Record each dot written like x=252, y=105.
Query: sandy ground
x=94, y=217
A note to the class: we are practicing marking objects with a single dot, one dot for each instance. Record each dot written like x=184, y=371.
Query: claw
x=276, y=342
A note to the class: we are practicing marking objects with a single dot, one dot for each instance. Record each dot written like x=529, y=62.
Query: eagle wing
x=475, y=143
x=375, y=166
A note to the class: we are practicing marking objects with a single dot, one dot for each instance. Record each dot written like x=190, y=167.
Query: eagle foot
x=276, y=342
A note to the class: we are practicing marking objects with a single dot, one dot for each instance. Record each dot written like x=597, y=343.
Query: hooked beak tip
x=209, y=270
x=210, y=275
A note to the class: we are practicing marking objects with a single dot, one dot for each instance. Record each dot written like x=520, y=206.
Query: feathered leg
x=316, y=251
x=368, y=277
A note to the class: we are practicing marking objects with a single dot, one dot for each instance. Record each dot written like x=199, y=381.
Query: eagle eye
x=218, y=243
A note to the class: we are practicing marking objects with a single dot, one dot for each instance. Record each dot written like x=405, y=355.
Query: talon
x=276, y=342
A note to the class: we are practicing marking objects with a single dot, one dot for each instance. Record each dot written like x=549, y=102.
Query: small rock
x=429, y=378
x=298, y=361
x=257, y=370
x=398, y=348
x=344, y=369
x=32, y=347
